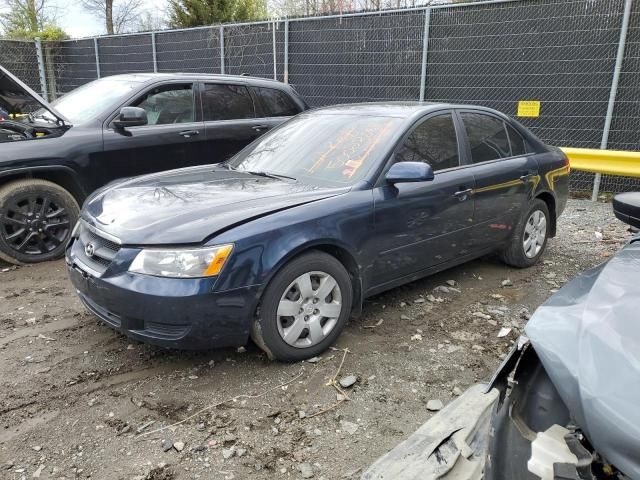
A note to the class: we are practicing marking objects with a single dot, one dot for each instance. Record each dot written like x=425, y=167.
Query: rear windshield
x=320, y=149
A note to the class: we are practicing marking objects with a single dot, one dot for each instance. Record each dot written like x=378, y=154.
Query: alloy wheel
x=34, y=224
x=309, y=309
x=535, y=233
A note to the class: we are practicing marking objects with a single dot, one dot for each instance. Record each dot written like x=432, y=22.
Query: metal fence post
x=222, y=49
x=153, y=50
x=425, y=50
x=275, y=69
x=95, y=49
x=41, y=69
x=613, y=92
x=286, y=51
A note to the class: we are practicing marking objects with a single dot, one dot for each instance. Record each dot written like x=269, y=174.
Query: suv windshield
x=319, y=149
x=85, y=102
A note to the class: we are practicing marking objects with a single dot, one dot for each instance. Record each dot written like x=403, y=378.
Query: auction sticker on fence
x=529, y=108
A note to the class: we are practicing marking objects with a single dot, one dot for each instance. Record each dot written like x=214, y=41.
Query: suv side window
x=434, y=141
x=518, y=144
x=226, y=102
x=487, y=137
x=276, y=103
x=168, y=104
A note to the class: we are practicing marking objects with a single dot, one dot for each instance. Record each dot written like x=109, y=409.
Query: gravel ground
x=80, y=401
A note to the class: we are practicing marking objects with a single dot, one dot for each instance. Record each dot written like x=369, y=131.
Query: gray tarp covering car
x=574, y=379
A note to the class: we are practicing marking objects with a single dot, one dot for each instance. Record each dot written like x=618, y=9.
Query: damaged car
x=564, y=405
x=283, y=242
x=53, y=155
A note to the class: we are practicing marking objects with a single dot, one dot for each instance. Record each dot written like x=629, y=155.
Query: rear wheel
x=529, y=238
x=36, y=220
x=304, y=308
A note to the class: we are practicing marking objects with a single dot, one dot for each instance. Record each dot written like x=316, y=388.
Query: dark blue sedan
x=284, y=242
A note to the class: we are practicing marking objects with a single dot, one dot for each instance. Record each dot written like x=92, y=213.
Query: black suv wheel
x=36, y=220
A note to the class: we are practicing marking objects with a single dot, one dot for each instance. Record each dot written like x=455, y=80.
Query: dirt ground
x=78, y=400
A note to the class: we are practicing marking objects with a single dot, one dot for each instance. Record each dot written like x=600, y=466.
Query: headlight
x=182, y=263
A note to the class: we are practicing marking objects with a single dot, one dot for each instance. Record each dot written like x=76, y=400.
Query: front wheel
x=304, y=308
x=36, y=220
x=529, y=238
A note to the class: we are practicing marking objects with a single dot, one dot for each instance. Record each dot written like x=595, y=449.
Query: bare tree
x=28, y=15
x=118, y=15
x=150, y=21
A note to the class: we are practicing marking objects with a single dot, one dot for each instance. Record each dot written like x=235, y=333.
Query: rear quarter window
x=276, y=103
x=518, y=143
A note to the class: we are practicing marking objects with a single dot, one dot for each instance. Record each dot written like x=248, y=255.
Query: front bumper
x=176, y=313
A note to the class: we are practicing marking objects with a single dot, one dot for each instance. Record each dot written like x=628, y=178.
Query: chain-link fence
x=20, y=58
x=562, y=53
x=357, y=58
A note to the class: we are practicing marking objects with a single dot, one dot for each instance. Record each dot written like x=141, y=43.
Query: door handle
x=463, y=194
x=257, y=128
x=525, y=178
x=189, y=133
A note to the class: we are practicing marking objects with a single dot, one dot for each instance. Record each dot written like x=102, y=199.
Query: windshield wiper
x=269, y=174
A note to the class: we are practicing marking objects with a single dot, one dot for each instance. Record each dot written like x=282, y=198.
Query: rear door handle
x=463, y=194
x=258, y=128
x=189, y=133
x=527, y=177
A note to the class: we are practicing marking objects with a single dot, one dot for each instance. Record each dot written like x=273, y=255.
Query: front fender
x=263, y=246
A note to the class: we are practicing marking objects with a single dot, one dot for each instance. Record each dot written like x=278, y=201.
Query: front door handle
x=189, y=133
x=259, y=128
x=463, y=194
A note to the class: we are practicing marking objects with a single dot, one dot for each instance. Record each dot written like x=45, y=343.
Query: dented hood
x=588, y=338
x=188, y=206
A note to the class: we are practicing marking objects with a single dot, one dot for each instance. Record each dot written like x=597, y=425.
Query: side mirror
x=130, y=117
x=626, y=207
x=403, y=172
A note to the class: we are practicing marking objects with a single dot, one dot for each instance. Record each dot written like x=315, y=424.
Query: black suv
x=53, y=155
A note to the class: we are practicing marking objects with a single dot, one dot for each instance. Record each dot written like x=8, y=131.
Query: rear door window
x=276, y=103
x=433, y=141
x=226, y=102
x=487, y=137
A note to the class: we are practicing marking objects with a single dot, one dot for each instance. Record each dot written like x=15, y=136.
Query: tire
x=514, y=253
x=314, y=324
x=36, y=220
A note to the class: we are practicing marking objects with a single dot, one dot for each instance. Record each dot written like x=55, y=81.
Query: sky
x=78, y=23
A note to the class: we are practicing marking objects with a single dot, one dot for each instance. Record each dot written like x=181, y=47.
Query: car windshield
x=85, y=102
x=320, y=149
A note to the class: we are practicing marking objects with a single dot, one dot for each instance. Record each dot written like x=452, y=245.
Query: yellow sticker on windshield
x=529, y=108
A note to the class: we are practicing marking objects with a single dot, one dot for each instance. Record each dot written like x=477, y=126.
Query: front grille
x=103, y=249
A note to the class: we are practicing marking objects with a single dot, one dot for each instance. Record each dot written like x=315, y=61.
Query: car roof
x=393, y=109
x=154, y=77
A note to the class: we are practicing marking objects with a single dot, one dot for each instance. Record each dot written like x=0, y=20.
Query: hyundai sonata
x=284, y=241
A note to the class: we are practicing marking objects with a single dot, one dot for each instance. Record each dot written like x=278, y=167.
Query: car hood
x=587, y=336
x=16, y=97
x=188, y=206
